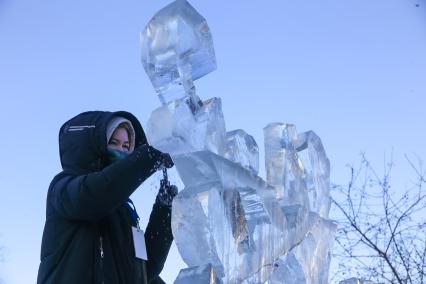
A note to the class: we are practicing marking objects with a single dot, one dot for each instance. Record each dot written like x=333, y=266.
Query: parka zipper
x=101, y=260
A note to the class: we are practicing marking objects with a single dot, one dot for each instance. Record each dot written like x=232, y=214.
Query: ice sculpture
x=229, y=224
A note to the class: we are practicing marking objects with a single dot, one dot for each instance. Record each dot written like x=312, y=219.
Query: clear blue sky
x=354, y=71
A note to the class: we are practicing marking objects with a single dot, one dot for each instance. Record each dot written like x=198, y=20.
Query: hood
x=83, y=140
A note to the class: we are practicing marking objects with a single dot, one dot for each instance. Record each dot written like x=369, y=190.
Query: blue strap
x=132, y=209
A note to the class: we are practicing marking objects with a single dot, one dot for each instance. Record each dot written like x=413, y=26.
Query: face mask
x=116, y=155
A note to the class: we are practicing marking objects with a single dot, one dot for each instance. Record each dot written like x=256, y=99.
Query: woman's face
x=119, y=140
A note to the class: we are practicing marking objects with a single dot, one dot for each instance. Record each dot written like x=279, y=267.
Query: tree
x=381, y=234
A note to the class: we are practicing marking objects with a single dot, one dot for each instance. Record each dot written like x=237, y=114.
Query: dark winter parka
x=87, y=236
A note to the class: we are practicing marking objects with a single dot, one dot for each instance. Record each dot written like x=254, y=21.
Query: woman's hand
x=161, y=159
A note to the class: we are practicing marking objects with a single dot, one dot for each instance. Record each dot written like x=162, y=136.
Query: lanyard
x=132, y=209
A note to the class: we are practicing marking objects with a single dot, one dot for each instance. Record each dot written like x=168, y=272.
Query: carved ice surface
x=311, y=257
x=205, y=167
x=177, y=48
x=174, y=129
x=230, y=225
x=198, y=275
x=242, y=148
x=316, y=171
x=231, y=219
x=284, y=170
x=190, y=226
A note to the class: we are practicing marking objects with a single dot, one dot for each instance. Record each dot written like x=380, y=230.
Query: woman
x=91, y=233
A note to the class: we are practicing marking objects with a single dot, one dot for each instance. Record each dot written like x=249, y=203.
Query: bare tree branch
x=381, y=237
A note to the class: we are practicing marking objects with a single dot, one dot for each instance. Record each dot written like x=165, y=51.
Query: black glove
x=162, y=160
x=166, y=194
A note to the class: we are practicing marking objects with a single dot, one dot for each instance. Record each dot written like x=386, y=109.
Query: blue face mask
x=116, y=155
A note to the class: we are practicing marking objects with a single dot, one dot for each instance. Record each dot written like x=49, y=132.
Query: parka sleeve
x=95, y=195
x=158, y=238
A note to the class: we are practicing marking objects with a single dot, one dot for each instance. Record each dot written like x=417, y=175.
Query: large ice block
x=177, y=48
x=316, y=171
x=175, y=129
x=242, y=148
x=191, y=228
x=234, y=238
x=203, y=167
x=234, y=217
x=311, y=258
x=283, y=167
x=246, y=232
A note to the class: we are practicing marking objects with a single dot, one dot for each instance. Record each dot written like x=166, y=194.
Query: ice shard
x=229, y=224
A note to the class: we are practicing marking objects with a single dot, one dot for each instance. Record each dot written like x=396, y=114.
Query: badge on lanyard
x=138, y=234
x=139, y=243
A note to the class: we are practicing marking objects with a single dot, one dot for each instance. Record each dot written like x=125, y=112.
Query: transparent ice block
x=242, y=148
x=174, y=128
x=177, y=48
